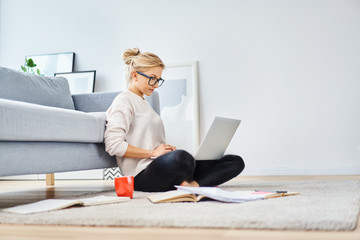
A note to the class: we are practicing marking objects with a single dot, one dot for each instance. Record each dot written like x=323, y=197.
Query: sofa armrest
x=94, y=102
x=101, y=101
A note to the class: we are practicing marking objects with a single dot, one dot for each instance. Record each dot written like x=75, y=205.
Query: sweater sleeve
x=118, y=119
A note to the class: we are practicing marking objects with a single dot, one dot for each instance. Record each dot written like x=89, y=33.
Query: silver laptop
x=217, y=138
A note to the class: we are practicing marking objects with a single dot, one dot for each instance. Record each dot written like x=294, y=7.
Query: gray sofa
x=45, y=129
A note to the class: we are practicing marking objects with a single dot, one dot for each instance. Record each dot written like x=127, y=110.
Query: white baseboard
x=353, y=170
x=98, y=174
x=76, y=175
x=21, y=177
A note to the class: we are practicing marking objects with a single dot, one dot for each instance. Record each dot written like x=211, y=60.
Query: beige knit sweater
x=131, y=120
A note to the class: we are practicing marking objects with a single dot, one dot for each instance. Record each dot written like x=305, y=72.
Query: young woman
x=135, y=133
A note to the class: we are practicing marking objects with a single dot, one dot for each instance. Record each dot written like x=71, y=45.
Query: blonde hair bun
x=137, y=61
x=129, y=54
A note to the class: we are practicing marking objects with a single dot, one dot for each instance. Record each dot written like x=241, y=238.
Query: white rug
x=321, y=205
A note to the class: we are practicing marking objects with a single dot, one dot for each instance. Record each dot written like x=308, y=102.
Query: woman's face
x=140, y=83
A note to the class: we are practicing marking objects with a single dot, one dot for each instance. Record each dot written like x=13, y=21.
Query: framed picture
x=179, y=105
x=80, y=81
x=49, y=64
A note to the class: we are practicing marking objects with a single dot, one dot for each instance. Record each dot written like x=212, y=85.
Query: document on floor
x=195, y=194
x=56, y=204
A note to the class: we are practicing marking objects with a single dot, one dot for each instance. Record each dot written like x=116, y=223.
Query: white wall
x=288, y=69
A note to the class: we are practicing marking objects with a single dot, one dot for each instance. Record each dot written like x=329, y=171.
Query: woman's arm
x=135, y=152
x=119, y=117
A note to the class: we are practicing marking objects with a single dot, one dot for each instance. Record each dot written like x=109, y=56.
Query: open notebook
x=56, y=204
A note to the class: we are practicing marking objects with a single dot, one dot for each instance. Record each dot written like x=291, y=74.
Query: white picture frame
x=49, y=64
x=80, y=81
x=179, y=105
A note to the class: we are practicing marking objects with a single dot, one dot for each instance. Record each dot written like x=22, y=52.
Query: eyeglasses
x=152, y=80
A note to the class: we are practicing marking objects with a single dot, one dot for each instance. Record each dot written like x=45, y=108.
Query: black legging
x=175, y=167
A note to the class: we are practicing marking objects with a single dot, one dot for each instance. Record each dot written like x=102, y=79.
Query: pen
x=271, y=191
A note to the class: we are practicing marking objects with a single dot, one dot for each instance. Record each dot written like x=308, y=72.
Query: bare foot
x=187, y=184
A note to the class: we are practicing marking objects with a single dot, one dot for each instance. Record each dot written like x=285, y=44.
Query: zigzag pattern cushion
x=112, y=173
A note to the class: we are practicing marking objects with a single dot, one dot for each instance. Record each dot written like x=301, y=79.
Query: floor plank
x=20, y=192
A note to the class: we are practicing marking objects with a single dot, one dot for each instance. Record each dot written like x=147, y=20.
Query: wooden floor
x=19, y=192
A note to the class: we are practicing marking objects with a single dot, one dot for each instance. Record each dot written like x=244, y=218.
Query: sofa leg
x=50, y=179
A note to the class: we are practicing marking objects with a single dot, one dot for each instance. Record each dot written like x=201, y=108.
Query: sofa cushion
x=25, y=87
x=20, y=121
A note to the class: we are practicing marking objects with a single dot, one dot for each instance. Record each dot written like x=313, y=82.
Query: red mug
x=124, y=186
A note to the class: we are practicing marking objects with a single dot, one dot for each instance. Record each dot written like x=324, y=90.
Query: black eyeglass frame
x=158, y=80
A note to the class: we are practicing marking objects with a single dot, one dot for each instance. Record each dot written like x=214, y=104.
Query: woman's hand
x=162, y=149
